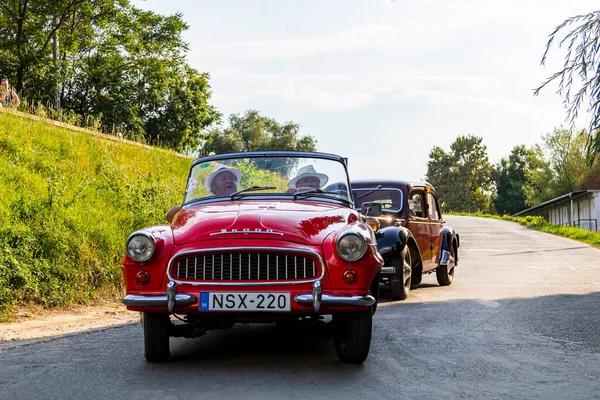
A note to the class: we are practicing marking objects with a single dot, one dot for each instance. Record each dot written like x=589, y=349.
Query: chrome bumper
x=317, y=299
x=171, y=299
x=157, y=301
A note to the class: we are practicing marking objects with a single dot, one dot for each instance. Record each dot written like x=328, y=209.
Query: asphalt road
x=521, y=320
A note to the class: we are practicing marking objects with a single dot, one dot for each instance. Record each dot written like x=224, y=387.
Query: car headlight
x=140, y=246
x=351, y=246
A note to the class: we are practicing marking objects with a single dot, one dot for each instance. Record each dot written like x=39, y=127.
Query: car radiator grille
x=246, y=267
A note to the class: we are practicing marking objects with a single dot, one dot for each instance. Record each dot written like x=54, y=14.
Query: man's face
x=308, y=181
x=224, y=183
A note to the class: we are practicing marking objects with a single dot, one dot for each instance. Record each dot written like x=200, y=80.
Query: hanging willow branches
x=579, y=78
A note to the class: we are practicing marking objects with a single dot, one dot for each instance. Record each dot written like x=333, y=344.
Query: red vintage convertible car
x=261, y=237
x=411, y=235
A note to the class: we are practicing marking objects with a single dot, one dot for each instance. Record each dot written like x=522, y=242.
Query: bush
x=68, y=201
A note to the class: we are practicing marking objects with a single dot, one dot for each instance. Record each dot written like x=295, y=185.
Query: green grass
x=540, y=224
x=68, y=201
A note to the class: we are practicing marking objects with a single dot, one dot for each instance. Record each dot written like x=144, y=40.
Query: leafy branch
x=582, y=66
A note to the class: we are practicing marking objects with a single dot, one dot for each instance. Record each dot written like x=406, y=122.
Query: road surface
x=521, y=320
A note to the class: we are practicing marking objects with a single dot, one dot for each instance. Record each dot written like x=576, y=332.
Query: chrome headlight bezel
x=342, y=241
x=149, y=242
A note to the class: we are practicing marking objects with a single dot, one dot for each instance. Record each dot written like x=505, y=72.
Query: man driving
x=223, y=181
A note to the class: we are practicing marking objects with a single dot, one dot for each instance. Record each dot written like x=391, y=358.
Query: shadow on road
x=566, y=319
x=385, y=295
x=543, y=347
x=540, y=251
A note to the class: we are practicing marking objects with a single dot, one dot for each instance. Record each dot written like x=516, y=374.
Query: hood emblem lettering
x=246, y=231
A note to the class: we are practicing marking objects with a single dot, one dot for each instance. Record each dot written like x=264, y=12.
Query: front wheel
x=353, y=339
x=156, y=337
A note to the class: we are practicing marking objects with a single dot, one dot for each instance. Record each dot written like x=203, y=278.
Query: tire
x=156, y=337
x=353, y=340
x=417, y=276
x=399, y=285
x=444, y=275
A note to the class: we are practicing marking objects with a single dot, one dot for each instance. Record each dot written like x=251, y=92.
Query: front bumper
x=316, y=298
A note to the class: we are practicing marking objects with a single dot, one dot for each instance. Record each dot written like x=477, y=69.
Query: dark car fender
x=391, y=242
x=449, y=236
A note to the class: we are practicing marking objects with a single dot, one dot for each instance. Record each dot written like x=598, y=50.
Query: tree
x=565, y=153
x=27, y=30
x=254, y=131
x=581, y=66
x=462, y=177
x=521, y=180
x=117, y=64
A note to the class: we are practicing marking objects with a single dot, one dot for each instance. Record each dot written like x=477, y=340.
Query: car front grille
x=246, y=266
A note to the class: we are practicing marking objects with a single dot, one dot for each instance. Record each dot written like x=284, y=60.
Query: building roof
x=555, y=200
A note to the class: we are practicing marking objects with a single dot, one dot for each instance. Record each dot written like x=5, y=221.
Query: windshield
x=391, y=199
x=289, y=176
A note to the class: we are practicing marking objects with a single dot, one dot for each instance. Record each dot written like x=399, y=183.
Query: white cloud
x=343, y=91
x=328, y=92
x=352, y=39
x=314, y=97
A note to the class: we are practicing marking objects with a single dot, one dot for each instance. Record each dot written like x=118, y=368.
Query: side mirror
x=171, y=213
x=371, y=209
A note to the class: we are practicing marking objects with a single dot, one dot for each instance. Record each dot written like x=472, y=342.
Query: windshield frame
x=262, y=196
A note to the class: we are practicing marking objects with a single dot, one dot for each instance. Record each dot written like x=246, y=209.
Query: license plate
x=246, y=301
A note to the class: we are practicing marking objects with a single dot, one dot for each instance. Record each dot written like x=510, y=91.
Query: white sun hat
x=307, y=171
x=221, y=168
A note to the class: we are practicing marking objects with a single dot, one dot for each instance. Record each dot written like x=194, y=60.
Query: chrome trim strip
x=254, y=283
x=137, y=300
x=388, y=270
x=328, y=300
x=245, y=232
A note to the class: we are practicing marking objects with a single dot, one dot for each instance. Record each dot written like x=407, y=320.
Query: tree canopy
x=521, y=180
x=253, y=132
x=463, y=176
x=114, y=63
x=551, y=168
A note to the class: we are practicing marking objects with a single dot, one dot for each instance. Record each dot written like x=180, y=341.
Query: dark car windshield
x=391, y=199
x=244, y=177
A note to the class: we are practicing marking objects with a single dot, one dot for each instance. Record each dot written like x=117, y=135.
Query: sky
x=383, y=81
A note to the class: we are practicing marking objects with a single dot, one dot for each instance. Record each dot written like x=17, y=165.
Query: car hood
x=298, y=221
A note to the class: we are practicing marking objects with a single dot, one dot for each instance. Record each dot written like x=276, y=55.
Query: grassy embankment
x=68, y=201
x=540, y=224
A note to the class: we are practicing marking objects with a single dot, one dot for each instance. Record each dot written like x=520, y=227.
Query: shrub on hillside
x=68, y=201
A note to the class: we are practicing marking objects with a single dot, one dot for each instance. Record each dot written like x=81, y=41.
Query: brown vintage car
x=410, y=232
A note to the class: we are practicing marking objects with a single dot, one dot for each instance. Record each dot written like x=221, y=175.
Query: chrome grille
x=246, y=266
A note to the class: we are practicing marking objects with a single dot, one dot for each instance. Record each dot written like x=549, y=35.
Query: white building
x=580, y=208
